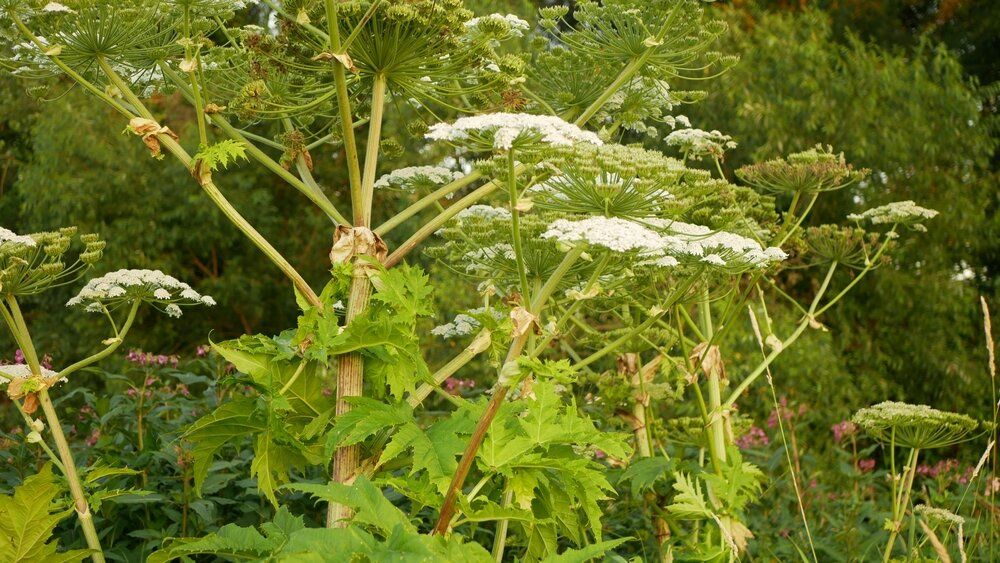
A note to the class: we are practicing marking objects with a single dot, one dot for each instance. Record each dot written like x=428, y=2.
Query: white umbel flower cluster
x=613, y=233
x=464, y=324
x=485, y=212
x=57, y=7
x=124, y=286
x=904, y=212
x=503, y=131
x=696, y=143
x=413, y=177
x=717, y=248
x=516, y=24
x=677, y=242
x=9, y=236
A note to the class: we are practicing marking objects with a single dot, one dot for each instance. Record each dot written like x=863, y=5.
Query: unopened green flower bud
x=90, y=237
x=416, y=128
x=52, y=268
x=553, y=12
x=391, y=148
x=91, y=257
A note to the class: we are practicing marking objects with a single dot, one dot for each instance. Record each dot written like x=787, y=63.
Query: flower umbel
x=504, y=131
x=914, y=426
x=126, y=286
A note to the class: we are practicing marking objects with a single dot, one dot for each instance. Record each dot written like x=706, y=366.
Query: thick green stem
x=372, y=146
x=75, y=487
x=500, y=539
x=22, y=336
x=346, y=117
x=717, y=415
x=350, y=383
x=900, y=505
x=515, y=228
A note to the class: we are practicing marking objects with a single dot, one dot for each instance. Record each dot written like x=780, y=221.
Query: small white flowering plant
x=604, y=274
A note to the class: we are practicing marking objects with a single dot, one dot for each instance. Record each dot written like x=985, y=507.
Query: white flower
x=464, y=324
x=905, y=212
x=616, y=234
x=173, y=310
x=57, y=7
x=517, y=25
x=501, y=130
x=413, y=176
x=137, y=285
x=33, y=437
x=661, y=242
x=717, y=248
x=696, y=143
x=9, y=236
x=487, y=212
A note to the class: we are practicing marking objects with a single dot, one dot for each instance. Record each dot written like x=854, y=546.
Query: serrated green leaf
x=366, y=418
x=689, y=502
x=27, y=519
x=221, y=154
x=643, y=473
x=369, y=504
x=234, y=421
x=406, y=289
x=99, y=472
x=585, y=554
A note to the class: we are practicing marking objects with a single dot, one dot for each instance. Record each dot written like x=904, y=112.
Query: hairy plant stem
x=20, y=331
x=499, y=394
x=717, y=415
x=637, y=375
x=346, y=115
x=372, y=146
x=900, y=504
x=75, y=487
x=350, y=383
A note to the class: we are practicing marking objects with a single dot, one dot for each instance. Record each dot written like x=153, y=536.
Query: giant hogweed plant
x=604, y=267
